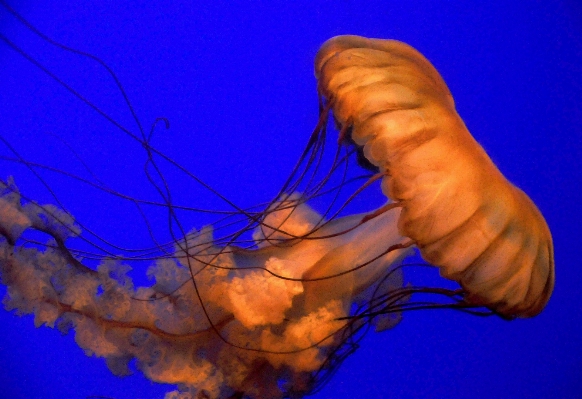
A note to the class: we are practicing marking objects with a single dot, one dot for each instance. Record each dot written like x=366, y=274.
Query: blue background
x=236, y=82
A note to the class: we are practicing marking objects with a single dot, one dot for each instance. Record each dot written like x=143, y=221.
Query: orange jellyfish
x=268, y=301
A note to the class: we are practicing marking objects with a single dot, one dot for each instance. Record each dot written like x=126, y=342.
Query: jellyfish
x=268, y=301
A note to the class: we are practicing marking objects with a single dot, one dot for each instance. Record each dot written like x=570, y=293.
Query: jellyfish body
x=461, y=212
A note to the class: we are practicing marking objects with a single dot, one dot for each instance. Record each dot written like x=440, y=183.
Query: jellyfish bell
x=464, y=216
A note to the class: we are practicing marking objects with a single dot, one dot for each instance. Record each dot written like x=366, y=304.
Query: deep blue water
x=236, y=82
